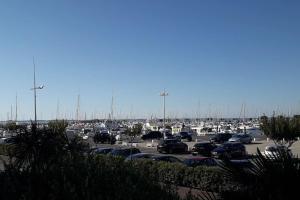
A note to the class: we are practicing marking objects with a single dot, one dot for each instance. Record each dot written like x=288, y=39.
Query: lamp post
x=164, y=94
x=34, y=91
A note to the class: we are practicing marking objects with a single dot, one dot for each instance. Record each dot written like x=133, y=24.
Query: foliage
x=46, y=165
x=58, y=126
x=202, y=178
x=135, y=130
x=13, y=126
x=268, y=178
x=281, y=129
x=3, y=149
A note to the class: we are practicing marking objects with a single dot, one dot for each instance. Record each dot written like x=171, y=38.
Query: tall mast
x=11, y=113
x=112, y=108
x=16, y=119
x=164, y=94
x=78, y=108
x=34, y=91
x=244, y=112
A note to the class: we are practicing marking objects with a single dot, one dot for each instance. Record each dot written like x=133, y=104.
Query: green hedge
x=203, y=178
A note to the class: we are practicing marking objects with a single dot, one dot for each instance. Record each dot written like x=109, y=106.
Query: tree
x=266, y=178
x=283, y=130
x=46, y=165
x=58, y=125
x=135, y=130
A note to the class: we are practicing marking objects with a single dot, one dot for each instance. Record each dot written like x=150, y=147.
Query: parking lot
x=150, y=146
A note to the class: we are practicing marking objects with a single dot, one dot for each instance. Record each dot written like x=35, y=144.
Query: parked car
x=171, y=146
x=203, y=148
x=124, y=152
x=152, y=135
x=104, y=138
x=242, y=163
x=199, y=161
x=273, y=151
x=7, y=140
x=103, y=151
x=2, y=140
x=229, y=150
x=168, y=135
x=242, y=138
x=184, y=136
x=170, y=159
x=221, y=138
x=139, y=156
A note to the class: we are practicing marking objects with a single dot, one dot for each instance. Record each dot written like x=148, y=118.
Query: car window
x=200, y=145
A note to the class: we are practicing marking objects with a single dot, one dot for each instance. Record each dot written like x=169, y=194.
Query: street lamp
x=34, y=91
x=164, y=94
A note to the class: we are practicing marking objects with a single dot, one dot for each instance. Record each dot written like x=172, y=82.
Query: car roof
x=233, y=143
x=198, y=158
x=102, y=148
x=163, y=156
x=204, y=142
x=142, y=154
x=240, y=161
x=126, y=148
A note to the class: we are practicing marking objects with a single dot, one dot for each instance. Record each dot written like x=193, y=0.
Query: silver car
x=242, y=138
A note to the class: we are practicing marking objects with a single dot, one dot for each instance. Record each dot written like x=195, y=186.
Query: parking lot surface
x=150, y=146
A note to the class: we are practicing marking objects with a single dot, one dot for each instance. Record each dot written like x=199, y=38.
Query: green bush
x=202, y=178
x=46, y=165
x=4, y=149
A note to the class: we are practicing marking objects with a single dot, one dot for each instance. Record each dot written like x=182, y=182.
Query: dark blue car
x=229, y=150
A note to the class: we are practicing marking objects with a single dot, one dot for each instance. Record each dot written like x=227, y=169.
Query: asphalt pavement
x=150, y=146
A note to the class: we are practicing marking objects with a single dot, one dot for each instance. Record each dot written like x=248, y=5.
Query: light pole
x=34, y=91
x=164, y=94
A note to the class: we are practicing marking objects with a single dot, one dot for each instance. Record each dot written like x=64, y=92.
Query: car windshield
x=237, y=136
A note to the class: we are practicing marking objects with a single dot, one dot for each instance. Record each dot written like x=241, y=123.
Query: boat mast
x=16, y=119
x=78, y=108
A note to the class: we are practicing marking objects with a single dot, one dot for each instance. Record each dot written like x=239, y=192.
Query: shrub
x=202, y=178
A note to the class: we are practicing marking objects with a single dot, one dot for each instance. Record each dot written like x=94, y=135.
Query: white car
x=85, y=137
x=273, y=151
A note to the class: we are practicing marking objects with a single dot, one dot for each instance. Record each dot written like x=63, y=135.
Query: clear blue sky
x=211, y=56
